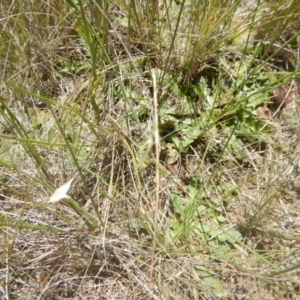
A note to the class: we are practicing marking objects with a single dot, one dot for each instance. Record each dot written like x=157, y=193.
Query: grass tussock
x=178, y=122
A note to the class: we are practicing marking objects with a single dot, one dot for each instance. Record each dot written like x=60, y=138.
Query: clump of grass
x=169, y=117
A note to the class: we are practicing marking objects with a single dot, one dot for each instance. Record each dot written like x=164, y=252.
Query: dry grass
x=195, y=196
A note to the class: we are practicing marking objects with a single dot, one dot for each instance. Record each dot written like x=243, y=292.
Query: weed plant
x=177, y=121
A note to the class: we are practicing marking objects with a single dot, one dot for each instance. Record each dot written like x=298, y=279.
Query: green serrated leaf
x=222, y=251
x=221, y=219
x=229, y=235
x=213, y=283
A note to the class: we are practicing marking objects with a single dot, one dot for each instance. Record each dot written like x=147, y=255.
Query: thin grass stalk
x=156, y=210
x=78, y=168
x=18, y=129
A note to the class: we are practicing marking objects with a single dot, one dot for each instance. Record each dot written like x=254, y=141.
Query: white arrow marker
x=61, y=192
